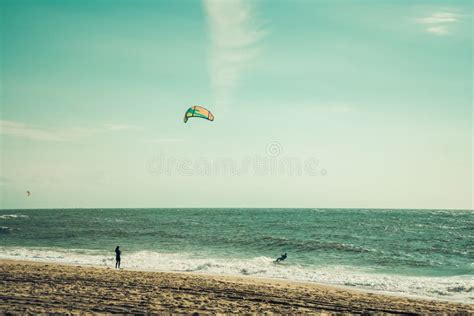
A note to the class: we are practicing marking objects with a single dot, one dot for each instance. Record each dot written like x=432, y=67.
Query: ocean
x=417, y=253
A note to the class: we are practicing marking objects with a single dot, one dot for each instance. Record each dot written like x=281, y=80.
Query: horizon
x=350, y=105
x=236, y=208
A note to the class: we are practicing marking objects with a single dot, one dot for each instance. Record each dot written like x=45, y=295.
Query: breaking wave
x=455, y=288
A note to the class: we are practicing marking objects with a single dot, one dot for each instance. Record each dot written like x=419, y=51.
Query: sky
x=341, y=104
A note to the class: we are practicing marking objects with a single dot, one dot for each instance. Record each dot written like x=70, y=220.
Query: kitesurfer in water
x=281, y=258
x=117, y=257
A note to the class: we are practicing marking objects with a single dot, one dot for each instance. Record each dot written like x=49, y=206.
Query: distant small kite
x=28, y=193
x=198, y=111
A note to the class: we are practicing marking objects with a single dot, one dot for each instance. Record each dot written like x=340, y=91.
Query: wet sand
x=29, y=287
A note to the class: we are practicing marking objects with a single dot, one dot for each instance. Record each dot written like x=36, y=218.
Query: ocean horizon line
x=240, y=208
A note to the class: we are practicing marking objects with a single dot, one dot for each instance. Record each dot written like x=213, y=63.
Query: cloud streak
x=121, y=127
x=235, y=35
x=437, y=23
x=163, y=140
x=39, y=133
x=438, y=30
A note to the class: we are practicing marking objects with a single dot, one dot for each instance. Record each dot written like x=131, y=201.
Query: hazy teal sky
x=379, y=93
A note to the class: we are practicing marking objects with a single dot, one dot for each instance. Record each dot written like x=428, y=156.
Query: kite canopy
x=198, y=111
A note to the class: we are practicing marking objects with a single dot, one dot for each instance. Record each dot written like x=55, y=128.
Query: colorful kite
x=198, y=111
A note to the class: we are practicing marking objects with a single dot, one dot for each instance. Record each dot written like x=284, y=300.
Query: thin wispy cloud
x=22, y=130
x=437, y=23
x=122, y=127
x=332, y=108
x=438, y=30
x=440, y=17
x=5, y=181
x=339, y=108
x=163, y=140
x=235, y=34
x=40, y=133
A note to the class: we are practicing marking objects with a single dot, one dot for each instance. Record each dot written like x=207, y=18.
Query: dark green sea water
x=414, y=252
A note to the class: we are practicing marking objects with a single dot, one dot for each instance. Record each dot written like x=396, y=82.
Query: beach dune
x=28, y=287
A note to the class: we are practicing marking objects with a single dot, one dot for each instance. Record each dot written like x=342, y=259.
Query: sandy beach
x=30, y=287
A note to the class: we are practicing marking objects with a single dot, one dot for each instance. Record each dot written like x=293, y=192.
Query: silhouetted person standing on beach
x=117, y=257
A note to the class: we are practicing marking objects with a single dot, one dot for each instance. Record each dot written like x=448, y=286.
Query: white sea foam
x=456, y=288
x=9, y=216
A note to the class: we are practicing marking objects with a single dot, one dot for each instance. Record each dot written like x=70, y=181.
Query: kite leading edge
x=198, y=111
